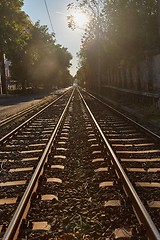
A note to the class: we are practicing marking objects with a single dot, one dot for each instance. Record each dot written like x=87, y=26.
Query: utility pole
x=3, y=74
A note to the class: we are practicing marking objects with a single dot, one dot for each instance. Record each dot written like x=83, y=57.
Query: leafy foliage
x=13, y=31
x=37, y=60
x=120, y=32
x=13, y=25
x=43, y=60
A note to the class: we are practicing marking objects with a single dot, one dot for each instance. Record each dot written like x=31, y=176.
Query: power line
x=49, y=15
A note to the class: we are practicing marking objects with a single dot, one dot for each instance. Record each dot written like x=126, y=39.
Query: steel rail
x=4, y=138
x=154, y=135
x=28, y=109
x=17, y=217
x=138, y=206
x=21, y=113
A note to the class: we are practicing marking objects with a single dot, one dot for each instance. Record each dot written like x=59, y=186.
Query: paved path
x=11, y=104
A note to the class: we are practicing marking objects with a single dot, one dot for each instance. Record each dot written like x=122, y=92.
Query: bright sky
x=58, y=12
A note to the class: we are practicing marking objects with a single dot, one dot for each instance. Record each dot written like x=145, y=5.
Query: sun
x=81, y=19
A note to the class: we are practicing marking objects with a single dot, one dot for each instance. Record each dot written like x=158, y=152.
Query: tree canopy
x=37, y=60
x=13, y=36
x=119, y=32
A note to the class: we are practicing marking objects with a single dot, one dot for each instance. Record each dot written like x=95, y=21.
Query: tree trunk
x=3, y=75
x=124, y=77
x=150, y=74
x=23, y=84
x=139, y=87
x=130, y=77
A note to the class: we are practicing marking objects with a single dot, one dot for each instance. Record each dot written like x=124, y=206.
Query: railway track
x=13, y=121
x=88, y=183
x=20, y=150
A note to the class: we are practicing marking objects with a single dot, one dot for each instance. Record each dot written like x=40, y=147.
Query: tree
x=38, y=60
x=42, y=61
x=63, y=57
x=158, y=7
x=48, y=58
x=35, y=56
x=13, y=31
x=126, y=32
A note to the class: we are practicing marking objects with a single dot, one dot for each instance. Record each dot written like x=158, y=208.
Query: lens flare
x=81, y=19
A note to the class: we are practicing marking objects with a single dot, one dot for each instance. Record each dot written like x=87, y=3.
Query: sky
x=58, y=12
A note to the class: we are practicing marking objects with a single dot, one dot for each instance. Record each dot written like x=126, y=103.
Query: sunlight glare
x=81, y=19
